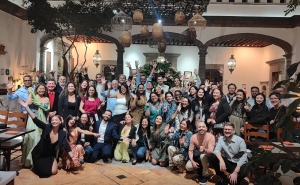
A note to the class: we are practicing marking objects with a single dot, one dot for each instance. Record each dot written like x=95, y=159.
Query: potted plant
x=2, y=47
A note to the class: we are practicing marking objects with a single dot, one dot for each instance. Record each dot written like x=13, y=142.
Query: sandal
x=134, y=161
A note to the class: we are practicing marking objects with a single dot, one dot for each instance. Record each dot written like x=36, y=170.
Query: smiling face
x=106, y=115
x=154, y=98
x=184, y=102
x=228, y=131
x=177, y=82
x=158, y=90
x=55, y=121
x=201, y=127
x=123, y=89
x=254, y=92
x=145, y=123
x=62, y=81
x=160, y=80
x=274, y=100
x=231, y=89
x=259, y=99
x=128, y=118
x=84, y=118
x=158, y=120
x=217, y=94
x=91, y=91
x=178, y=95
x=84, y=85
x=41, y=90
x=98, y=78
x=27, y=81
x=91, y=83
x=200, y=93
x=169, y=97
x=122, y=79
x=72, y=121
x=141, y=89
x=193, y=91
x=239, y=96
x=143, y=79
x=114, y=84
x=149, y=85
x=51, y=85
x=71, y=88
x=183, y=125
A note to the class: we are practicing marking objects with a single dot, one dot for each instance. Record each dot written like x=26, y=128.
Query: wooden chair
x=252, y=130
x=3, y=116
x=19, y=119
x=279, y=132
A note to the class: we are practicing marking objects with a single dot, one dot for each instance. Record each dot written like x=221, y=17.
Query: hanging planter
x=138, y=16
x=191, y=36
x=144, y=31
x=157, y=32
x=126, y=39
x=162, y=46
x=197, y=22
x=179, y=18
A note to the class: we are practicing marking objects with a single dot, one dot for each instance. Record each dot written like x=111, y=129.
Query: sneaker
x=203, y=181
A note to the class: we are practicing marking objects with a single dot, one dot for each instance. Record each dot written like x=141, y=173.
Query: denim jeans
x=138, y=151
x=88, y=150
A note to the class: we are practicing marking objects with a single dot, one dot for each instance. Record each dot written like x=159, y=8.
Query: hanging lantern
x=197, y=22
x=191, y=36
x=162, y=46
x=97, y=58
x=126, y=39
x=179, y=17
x=157, y=32
x=160, y=59
x=121, y=22
x=144, y=31
x=231, y=64
x=138, y=16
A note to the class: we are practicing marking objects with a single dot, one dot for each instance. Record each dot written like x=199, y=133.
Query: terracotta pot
x=138, y=16
x=179, y=17
x=157, y=32
x=2, y=47
x=162, y=46
x=191, y=36
x=144, y=31
x=126, y=39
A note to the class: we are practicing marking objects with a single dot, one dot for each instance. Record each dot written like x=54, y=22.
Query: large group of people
x=186, y=127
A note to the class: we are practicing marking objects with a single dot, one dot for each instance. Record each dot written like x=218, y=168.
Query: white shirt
x=102, y=130
x=99, y=88
x=165, y=88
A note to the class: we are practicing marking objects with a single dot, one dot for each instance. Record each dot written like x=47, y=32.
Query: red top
x=90, y=106
x=51, y=98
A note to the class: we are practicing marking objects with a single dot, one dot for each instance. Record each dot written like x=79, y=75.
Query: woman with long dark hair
x=198, y=107
x=185, y=112
x=90, y=103
x=50, y=147
x=153, y=107
x=142, y=144
x=83, y=88
x=160, y=92
x=39, y=105
x=259, y=113
x=122, y=102
x=68, y=103
x=217, y=112
x=192, y=93
x=178, y=152
x=238, y=112
x=73, y=133
x=137, y=103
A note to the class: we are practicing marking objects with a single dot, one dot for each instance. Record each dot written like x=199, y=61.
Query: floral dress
x=154, y=111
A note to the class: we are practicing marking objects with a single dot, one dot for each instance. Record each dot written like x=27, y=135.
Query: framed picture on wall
x=2, y=71
x=187, y=74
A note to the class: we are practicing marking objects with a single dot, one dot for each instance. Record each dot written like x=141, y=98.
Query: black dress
x=43, y=164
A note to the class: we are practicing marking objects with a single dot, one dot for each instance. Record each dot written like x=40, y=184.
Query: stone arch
x=120, y=49
x=287, y=47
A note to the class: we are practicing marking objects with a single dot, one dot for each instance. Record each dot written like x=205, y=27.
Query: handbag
x=219, y=125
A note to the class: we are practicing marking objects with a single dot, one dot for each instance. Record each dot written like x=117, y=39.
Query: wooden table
x=6, y=137
x=293, y=148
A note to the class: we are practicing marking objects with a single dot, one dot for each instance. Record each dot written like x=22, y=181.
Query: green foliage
x=291, y=6
x=164, y=69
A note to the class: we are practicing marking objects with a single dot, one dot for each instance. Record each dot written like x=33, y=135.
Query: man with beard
x=108, y=133
x=205, y=143
x=53, y=97
x=231, y=96
x=227, y=166
x=254, y=92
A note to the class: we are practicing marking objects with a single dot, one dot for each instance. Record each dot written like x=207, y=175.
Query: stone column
x=42, y=58
x=288, y=62
x=120, y=61
x=201, y=69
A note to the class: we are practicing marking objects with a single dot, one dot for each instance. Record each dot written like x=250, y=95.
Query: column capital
x=120, y=50
x=288, y=55
x=202, y=52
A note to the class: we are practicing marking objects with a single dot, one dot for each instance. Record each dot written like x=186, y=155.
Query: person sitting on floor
x=228, y=167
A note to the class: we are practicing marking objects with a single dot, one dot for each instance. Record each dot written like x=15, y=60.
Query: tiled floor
x=110, y=174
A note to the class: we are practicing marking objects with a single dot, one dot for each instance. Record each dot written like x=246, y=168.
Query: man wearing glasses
x=20, y=93
x=227, y=166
